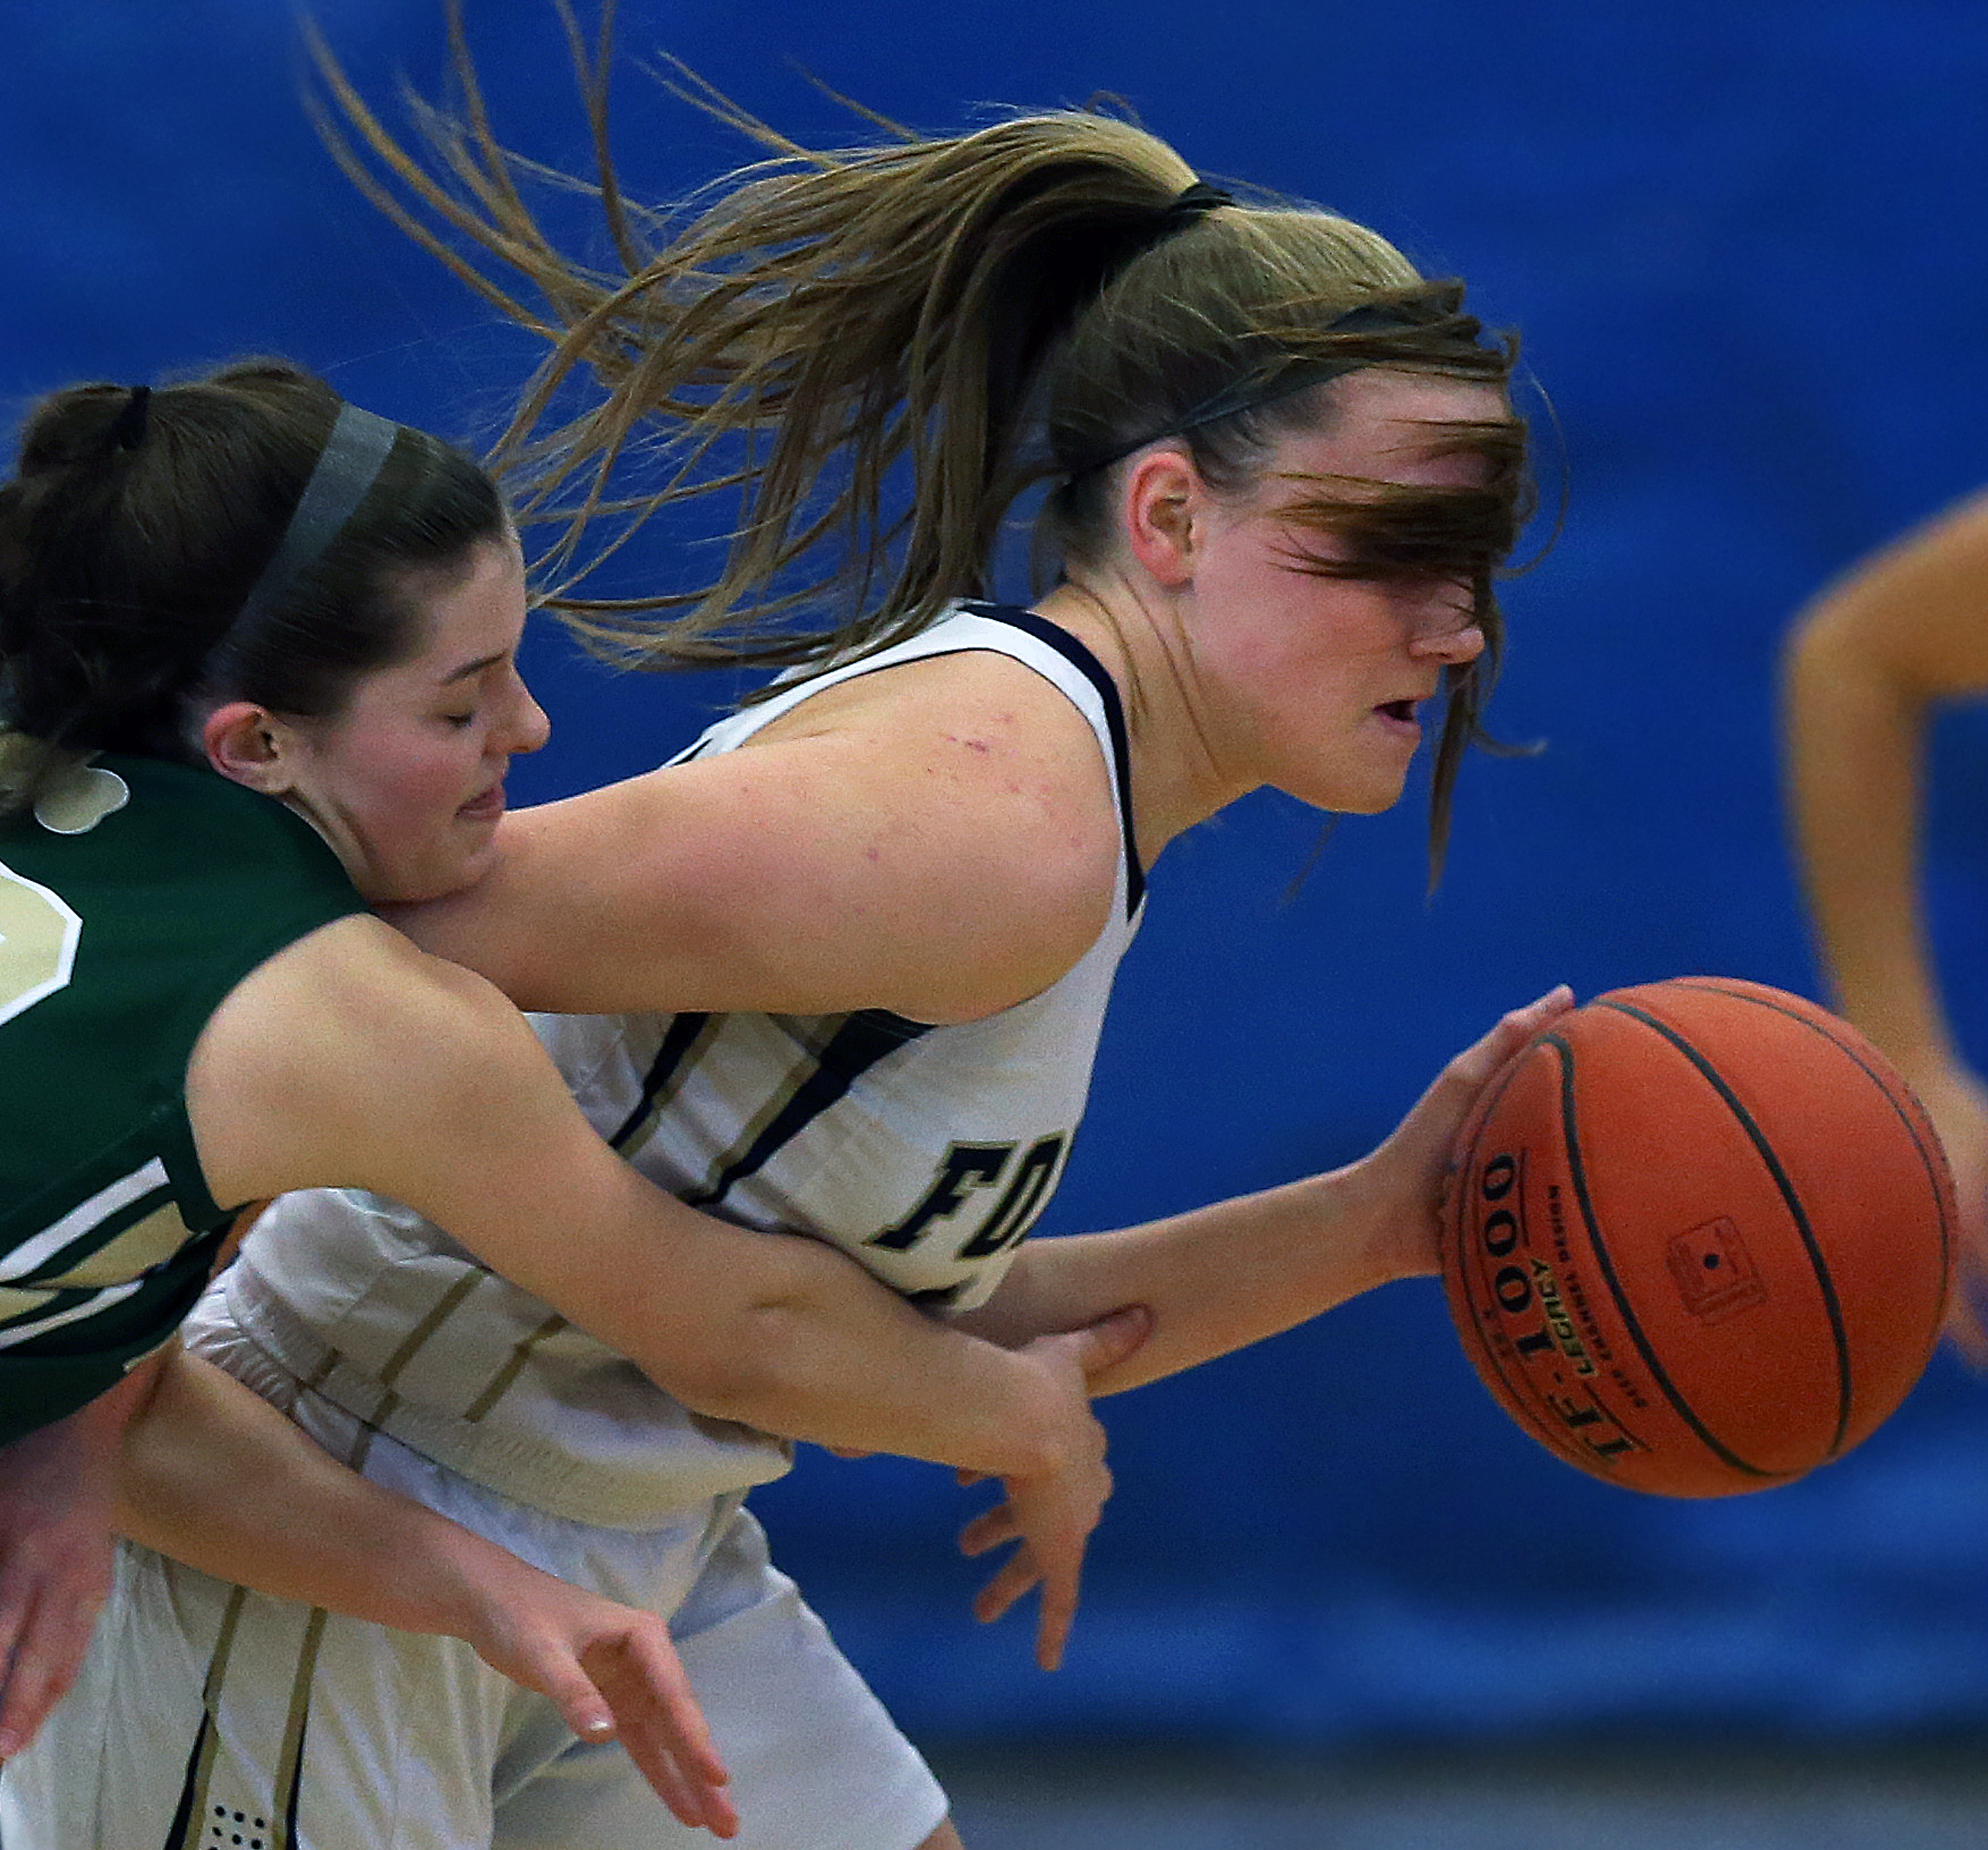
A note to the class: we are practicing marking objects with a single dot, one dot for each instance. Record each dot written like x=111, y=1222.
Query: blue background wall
x=1745, y=246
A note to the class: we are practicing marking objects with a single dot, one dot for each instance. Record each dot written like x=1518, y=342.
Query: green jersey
x=129, y=906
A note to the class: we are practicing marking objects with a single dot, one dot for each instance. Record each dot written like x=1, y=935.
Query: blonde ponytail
x=874, y=351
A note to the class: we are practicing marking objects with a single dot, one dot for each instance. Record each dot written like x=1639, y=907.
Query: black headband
x=1265, y=384
x=347, y=466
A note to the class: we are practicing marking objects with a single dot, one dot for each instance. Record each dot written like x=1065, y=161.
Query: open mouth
x=1402, y=712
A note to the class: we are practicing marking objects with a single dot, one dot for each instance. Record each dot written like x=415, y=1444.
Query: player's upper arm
x=1914, y=615
x=348, y=1058
x=943, y=845
x=351, y=1059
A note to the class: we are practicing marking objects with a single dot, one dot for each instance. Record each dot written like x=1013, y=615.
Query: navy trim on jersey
x=1086, y=664
x=684, y=1031
x=854, y=1047
x=181, y=1830
x=1092, y=671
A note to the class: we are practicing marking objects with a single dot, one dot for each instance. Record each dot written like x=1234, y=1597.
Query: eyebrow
x=472, y=667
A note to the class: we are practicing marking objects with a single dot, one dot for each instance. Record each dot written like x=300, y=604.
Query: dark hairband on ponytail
x=1190, y=206
x=1187, y=208
x=126, y=431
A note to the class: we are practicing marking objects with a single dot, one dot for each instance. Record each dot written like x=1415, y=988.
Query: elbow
x=747, y=1372
x=746, y=1361
x=1818, y=644
x=1836, y=667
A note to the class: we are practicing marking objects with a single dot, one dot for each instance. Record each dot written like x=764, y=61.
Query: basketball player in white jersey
x=840, y=968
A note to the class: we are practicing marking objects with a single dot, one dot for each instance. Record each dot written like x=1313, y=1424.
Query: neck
x=1140, y=632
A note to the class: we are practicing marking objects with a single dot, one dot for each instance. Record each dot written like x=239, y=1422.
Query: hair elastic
x=1192, y=204
x=1096, y=270
x=126, y=431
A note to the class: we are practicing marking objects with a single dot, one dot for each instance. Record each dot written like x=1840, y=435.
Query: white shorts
x=210, y=1718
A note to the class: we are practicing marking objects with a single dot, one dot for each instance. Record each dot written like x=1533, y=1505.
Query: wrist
x=1028, y=1437
x=434, y=1575
x=1381, y=1234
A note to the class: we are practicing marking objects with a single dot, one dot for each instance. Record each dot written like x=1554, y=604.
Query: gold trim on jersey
x=630, y=1139
x=141, y=1246
x=807, y=1063
x=29, y=1255
x=444, y=1308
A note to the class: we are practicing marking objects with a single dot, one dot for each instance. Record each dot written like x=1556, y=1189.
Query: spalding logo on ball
x=1700, y=1239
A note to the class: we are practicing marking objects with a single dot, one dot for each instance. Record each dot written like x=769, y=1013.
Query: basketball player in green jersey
x=243, y=575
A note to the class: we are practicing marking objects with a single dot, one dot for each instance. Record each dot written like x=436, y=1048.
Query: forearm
x=297, y=1522
x=1214, y=1280
x=822, y=1350
x=1855, y=748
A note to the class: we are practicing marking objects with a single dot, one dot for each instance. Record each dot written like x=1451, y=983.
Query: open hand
x=1403, y=1179
x=615, y=1675
x=1052, y=1514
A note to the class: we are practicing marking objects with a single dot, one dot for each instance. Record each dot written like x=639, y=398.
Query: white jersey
x=926, y=1152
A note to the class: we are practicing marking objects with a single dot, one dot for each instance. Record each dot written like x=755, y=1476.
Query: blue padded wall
x=1745, y=249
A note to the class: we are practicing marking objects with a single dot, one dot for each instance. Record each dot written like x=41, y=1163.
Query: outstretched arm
x=301, y=1526
x=1220, y=1277
x=1865, y=665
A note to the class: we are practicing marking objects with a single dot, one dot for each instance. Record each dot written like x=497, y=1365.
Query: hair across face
x=1310, y=641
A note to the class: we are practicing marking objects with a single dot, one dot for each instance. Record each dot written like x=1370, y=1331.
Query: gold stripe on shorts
x=521, y=1353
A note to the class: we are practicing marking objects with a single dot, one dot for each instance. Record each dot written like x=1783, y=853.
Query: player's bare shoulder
x=939, y=837
x=987, y=779
x=297, y=1065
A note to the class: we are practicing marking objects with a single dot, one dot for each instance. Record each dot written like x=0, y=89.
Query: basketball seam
x=1578, y=1174
x=1712, y=987
x=1520, y=1388
x=1839, y=1336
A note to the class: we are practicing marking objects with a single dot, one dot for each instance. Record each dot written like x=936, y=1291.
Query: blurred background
x=1745, y=247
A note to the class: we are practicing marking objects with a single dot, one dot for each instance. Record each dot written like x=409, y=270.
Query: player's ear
x=251, y=746
x=1163, y=495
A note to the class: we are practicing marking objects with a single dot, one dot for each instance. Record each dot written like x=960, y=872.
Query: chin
x=1349, y=799
x=412, y=886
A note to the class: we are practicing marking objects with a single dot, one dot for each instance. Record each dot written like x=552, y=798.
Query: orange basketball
x=1700, y=1237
